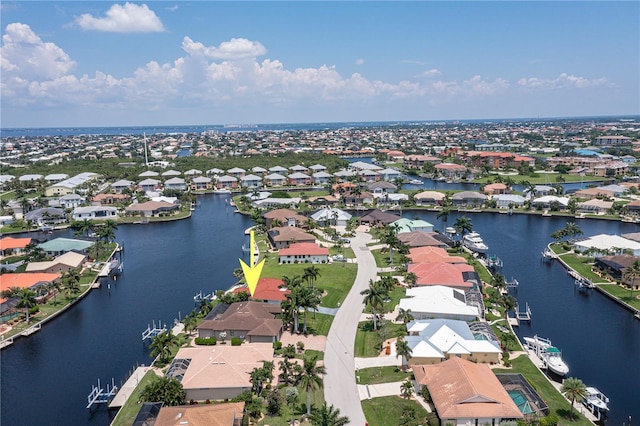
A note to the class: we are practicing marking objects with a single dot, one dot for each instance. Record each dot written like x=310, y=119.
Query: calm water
x=166, y=264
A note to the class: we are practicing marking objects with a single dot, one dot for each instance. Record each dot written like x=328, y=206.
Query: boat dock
x=29, y=331
x=520, y=316
x=153, y=331
x=129, y=386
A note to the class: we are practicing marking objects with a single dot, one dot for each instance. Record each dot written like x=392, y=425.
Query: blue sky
x=103, y=63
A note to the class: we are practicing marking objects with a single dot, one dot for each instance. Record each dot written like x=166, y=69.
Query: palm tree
x=374, y=297
x=444, y=215
x=573, y=229
x=404, y=315
x=54, y=287
x=328, y=416
x=161, y=345
x=27, y=300
x=406, y=389
x=83, y=227
x=106, y=232
x=410, y=279
x=631, y=274
x=311, y=274
x=404, y=350
x=390, y=238
x=573, y=388
x=463, y=225
x=508, y=302
x=70, y=282
x=310, y=377
x=190, y=322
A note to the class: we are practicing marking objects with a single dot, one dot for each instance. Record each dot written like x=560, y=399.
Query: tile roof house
x=466, y=393
x=283, y=236
x=378, y=217
x=63, y=263
x=438, y=302
x=286, y=217
x=268, y=290
x=450, y=275
x=11, y=245
x=218, y=372
x=303, y=253
x=227, y=414
x=30, y=280
x=421, y=239
x=430, y=254
x=251, y=321
x=152, y=208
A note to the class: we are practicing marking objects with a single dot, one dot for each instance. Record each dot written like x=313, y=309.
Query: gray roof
x=65, y=244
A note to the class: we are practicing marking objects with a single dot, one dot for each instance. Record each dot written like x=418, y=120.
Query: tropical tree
x=406, y=389
x=54, y=287
x=82, y=227
x=161, y=345
x=70, y=282
x=164, y=389
x=404, y=350
x=311, y=274
x=573, y=230
x=374, y=298
x=573, y=389
x=404, y=315
x=27, y=300
x=443, y=214
x=107, y=230
x=390, y=238
x=410, y=279
x=328, y=416
x=631, y=274
x=190, y=322
x=310, y=377
x=509, y=303
x=463, y=225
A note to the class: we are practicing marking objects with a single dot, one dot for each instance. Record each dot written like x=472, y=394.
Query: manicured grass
x=296, y=410
x=382, y=258
x=127, y=414
x=558, y=405
x=583, y=265
x=623, y=294
x=319, y=326
x=395, y=295
x=369, y=342
x=387, y=411
x=388, y=374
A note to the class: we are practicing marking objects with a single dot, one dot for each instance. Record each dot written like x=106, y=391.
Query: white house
x=333, y=216
x=94, y=212
x=438, y=301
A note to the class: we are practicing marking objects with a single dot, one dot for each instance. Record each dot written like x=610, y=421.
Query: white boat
x=416, y=182
x=596, y=401
x=474, y=242
x=450, y=230
x=549, y=354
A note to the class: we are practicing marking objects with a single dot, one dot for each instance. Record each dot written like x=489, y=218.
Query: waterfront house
x=504, y=201
x=274, y=203
x=119, y=186
x=236, y=172
x=35, y=281
x=303, y=253
x=549, y=201
x=250, y=321
x=226, y=182
x=438, y=302
x=152, y=208
x=466, y=393
x=615, y=266
x=428, y=198
x=94, y=213
x=275, y=179
x=451, y=171
x=429, y=254
x=227, y=414
x=604, y=244
x=149, y=184
x=457, y=275
x=283, y=236
x=435, y=340
x=218, y=372
x=284, y=217
x=299, y=179
x=595, y=206
x=495, y=188
x=175, y=184
x=592, y=193
x=389, y=174
x=411, y=225
x=63, y=263
x=201, y=183
x=268, y=290
x=418, y=161
x=381, y=187
x=468, y=199
x=251, y=181
x=46, y=216
x=59, y=246
x=10, y=246
x=378, y=218
x=421, y=239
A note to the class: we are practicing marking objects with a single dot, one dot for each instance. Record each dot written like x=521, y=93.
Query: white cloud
x=172, y=8
x=563, y=81
x=359, y=61
x=130, y=18
x=431, y=73
x=26, y=56
x=234, y=49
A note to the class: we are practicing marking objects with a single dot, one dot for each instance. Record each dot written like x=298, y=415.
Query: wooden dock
x=129, y=386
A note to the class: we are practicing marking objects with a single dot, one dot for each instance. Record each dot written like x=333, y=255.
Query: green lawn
x=622, y=293
x=395, y=295
x=127, y=414
x=319, y=326
x=387, y=411
x=583, y=265
x=296, y=410
x=369, y=342
x=388, y=374
x=558, y=405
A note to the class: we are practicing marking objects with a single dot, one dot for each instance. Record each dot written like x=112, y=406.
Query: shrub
x=236, y=341
x=34, y=310
x=277, y=346
x=205, y=341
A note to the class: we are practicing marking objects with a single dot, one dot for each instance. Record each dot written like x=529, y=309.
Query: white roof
x=447, y=336
x=236, y=170
x=275, y=176
x=607, y=242
x=148, y=173
x=328, y=214
x=171, y=173
x=299, y=175
x=551, y=198
x=437, y=300
x=361, y=165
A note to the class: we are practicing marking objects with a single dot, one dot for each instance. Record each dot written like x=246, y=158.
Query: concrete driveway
x=340, y=389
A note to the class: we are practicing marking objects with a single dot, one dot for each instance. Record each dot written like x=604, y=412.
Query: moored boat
x=416, y=182
x=474, y=242
x=596, y=401
x=549, y=354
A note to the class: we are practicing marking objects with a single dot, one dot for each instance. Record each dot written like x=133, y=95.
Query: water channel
x=47, y=376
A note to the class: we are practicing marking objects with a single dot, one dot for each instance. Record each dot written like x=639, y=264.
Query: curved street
x=340, y=389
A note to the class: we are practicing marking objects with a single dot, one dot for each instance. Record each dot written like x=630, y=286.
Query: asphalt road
x=340, y=389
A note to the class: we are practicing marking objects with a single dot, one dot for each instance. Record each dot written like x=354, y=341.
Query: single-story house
x=421, y=239
x=63, y=263
x=468, y=198
x=603, y=244
x=438, y=302
x=152, y=208
x=451, y=275
x=378, y=217
x=275, y=179
x=36, y=281
x=227, y=414
x=303, y=253
x=382, y=187
x=412, y=225
x=616, y=267
x=250, y=321
x=46, y=216
x=59, y=246
x=201, y=183
x=595, y=206
x=427, y=198
x=353, y=198
x=94, y=212
x=13, y=246
x=465, y=393
x=428, y=254
x=504, y=201
x=218, y=372
x=331, y=216
x=268, y=290
x=271, y=202
x=106, y=199
x=284, y=217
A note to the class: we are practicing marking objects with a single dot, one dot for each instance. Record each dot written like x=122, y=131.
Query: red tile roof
x=310, y=249
x=8, y=243
x=25, y=280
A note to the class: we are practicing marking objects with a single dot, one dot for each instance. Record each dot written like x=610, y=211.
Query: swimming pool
x=521, y=401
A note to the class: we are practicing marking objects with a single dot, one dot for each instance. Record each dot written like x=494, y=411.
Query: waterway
x=46, y=377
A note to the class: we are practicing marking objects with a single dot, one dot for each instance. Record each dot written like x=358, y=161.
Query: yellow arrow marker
x=252, y=271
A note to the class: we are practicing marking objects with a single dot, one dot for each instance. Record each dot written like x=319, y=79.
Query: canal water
x=46, y=377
